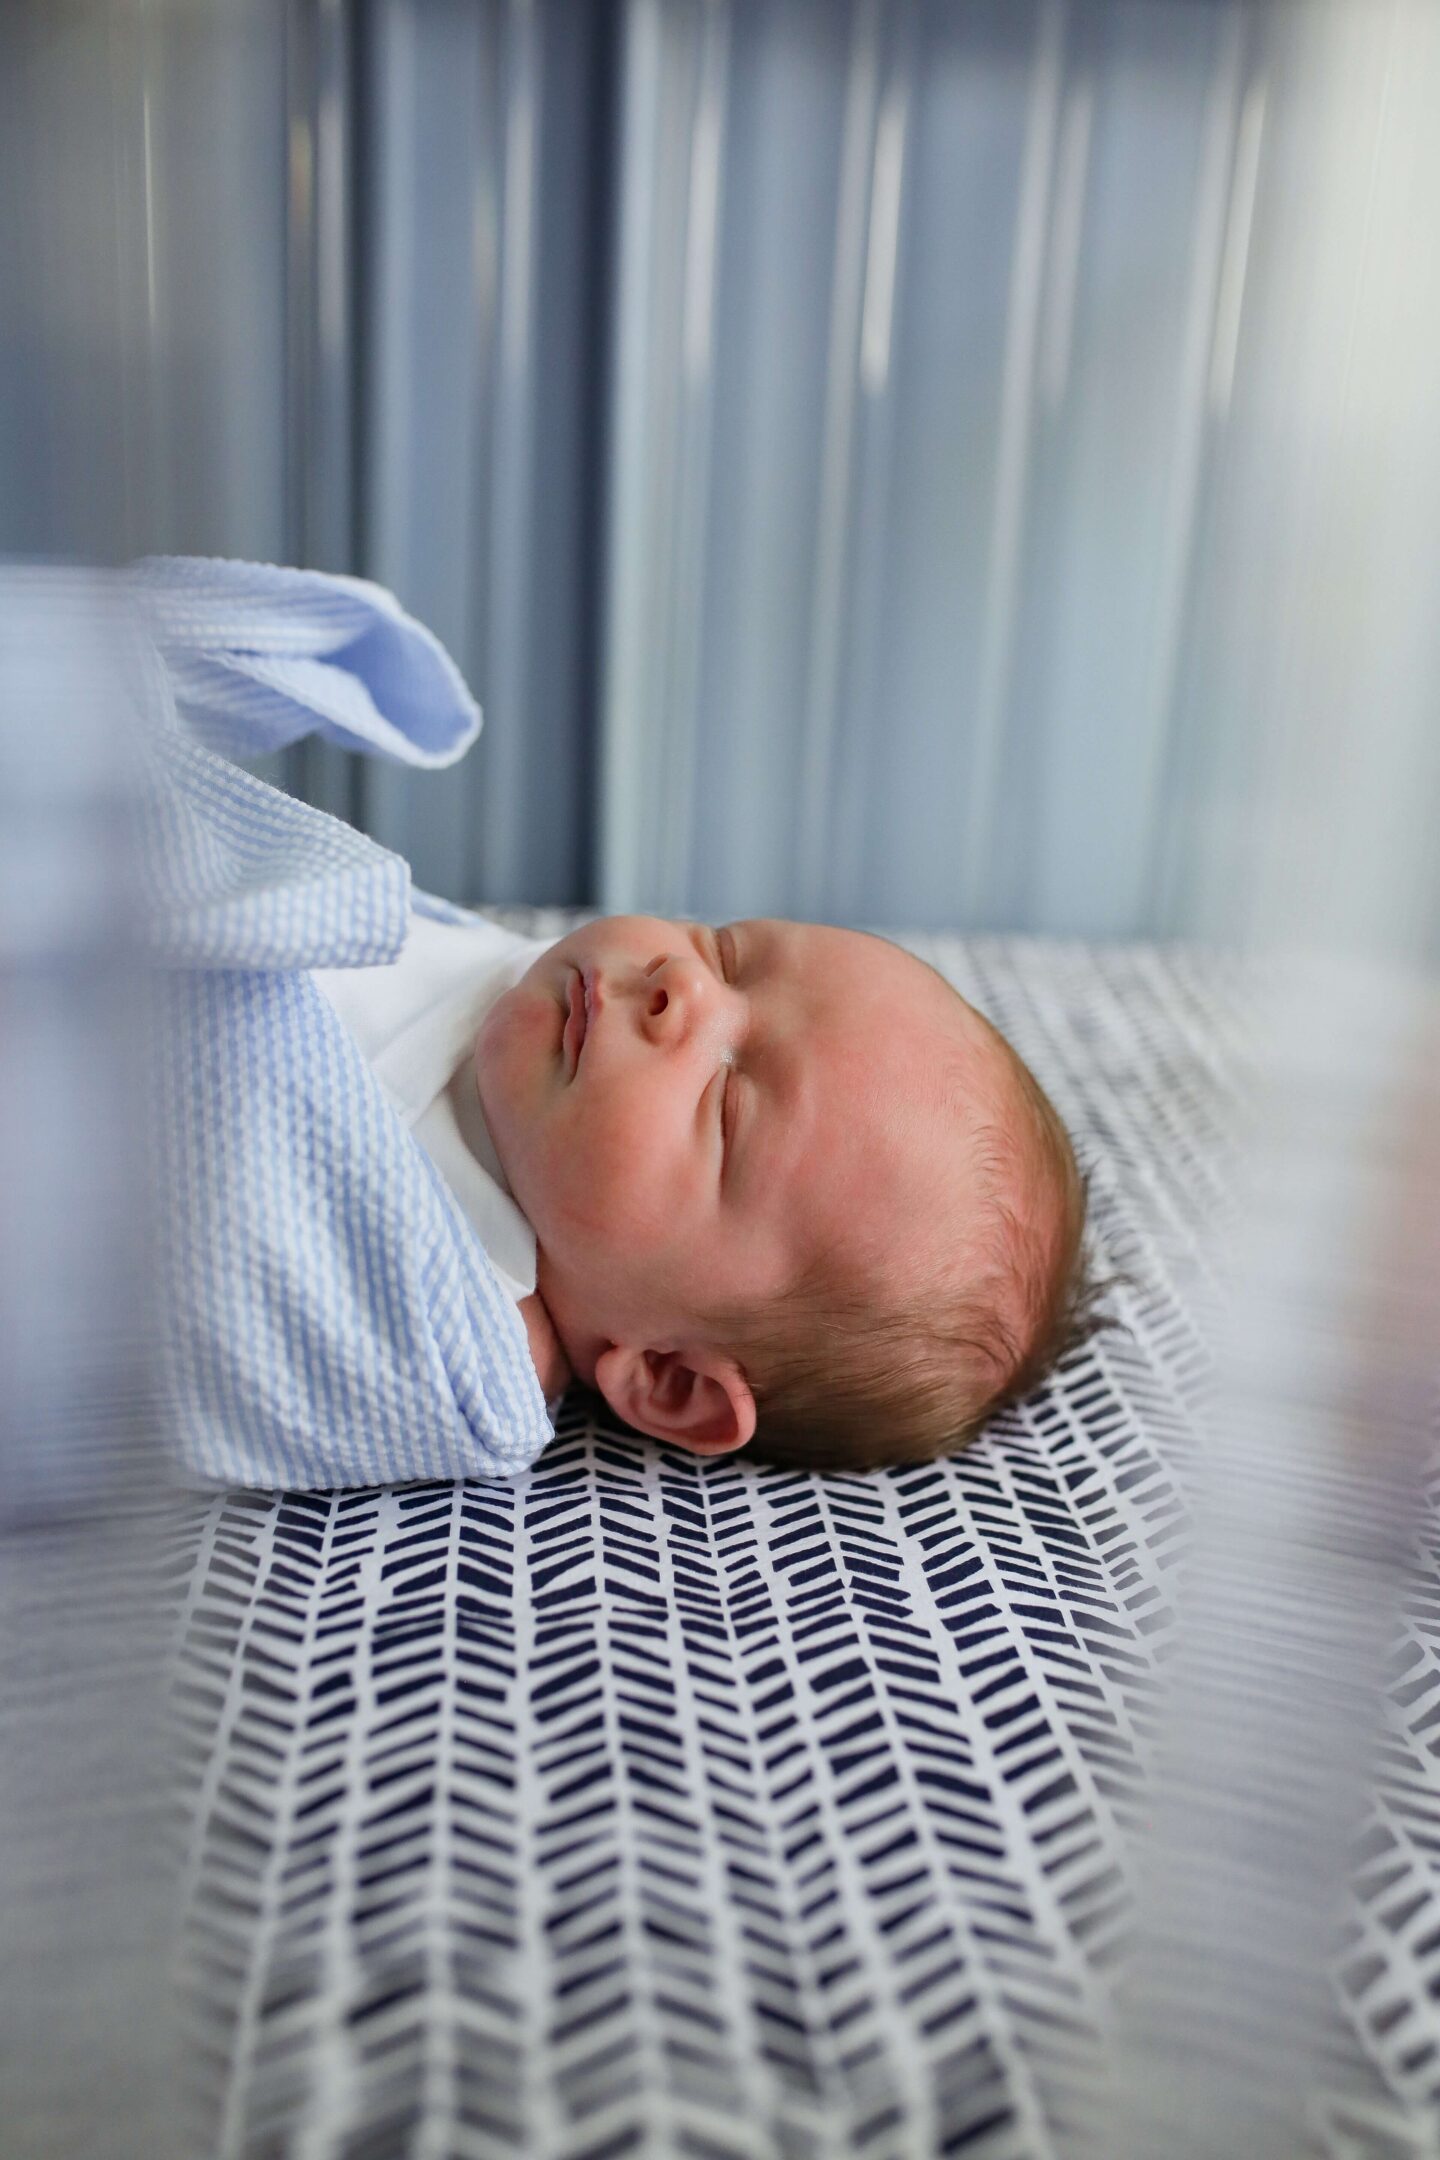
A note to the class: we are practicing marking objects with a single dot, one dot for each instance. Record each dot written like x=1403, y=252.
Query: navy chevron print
x=652, y=1806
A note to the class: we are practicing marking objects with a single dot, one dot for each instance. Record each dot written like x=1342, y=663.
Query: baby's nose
x=673, y=994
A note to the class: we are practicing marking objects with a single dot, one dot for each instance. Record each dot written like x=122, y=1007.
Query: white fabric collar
x=415, y=1022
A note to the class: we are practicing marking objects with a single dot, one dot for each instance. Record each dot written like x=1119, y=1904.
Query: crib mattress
x=659, y=1806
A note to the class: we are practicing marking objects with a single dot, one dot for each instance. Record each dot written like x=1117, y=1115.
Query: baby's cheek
x=606, y=1201
x=500, y=1063
x=572, y=1175
x=583, y=1215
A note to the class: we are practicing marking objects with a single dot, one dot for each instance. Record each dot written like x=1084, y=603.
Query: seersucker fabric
x=333, y=1318
x=416, y=1021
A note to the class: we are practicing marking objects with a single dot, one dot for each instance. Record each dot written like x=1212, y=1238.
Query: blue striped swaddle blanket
x=332, y=1319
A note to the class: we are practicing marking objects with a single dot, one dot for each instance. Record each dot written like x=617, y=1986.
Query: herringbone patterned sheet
x=653, y=1806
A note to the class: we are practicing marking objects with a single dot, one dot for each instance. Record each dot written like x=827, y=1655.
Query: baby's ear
x=699, y=1399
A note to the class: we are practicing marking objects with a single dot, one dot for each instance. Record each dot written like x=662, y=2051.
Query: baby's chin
x=490, y=1037
x=499, y=1063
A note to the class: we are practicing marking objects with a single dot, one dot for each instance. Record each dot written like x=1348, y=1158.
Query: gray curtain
x=920, y=328
x=842, y=440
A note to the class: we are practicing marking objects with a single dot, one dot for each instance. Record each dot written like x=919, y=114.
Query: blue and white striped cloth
x=333, y=1319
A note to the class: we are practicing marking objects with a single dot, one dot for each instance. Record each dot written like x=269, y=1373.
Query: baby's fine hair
x=850, y=1374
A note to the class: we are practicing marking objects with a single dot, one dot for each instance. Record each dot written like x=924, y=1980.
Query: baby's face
x=688, y=1117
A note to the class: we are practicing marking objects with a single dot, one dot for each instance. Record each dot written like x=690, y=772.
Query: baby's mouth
x=572, y=1042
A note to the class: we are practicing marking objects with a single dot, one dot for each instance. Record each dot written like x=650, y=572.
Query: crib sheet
x=658, y=1806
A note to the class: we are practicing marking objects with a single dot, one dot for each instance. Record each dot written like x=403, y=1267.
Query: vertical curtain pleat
x=906, y=555
x=477, y=458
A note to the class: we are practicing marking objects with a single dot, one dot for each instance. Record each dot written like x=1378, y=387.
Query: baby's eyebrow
x=702, y=937
x=708, y=944
x=730, y=928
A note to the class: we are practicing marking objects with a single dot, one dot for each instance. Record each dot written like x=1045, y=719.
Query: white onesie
x=415, y=1021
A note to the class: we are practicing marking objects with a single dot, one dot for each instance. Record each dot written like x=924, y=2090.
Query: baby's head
x=784, y=1180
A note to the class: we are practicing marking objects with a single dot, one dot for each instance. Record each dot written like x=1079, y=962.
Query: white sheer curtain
x=926, y=329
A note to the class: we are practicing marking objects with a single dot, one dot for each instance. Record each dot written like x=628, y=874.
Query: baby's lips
x=573, y=1039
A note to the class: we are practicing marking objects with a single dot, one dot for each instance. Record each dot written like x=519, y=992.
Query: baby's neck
x=551, y=1364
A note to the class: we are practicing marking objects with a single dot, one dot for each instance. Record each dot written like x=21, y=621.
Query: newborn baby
x=773, y=1183
x=784, y=1182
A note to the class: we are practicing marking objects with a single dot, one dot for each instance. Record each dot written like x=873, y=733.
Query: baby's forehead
x=911, y=1099
x=857, y=972
x=922, y=1145
x=884, y=1060
x=910, y=1019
